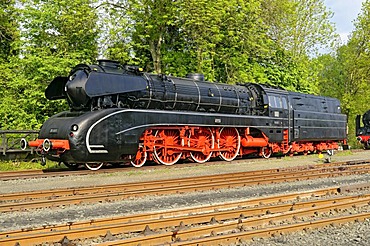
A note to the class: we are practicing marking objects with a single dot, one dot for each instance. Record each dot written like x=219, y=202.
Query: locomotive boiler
x=119, y=114
x=363, y=132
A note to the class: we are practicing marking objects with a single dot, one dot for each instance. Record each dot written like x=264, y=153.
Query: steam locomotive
x=363, y=133
x=119, y=114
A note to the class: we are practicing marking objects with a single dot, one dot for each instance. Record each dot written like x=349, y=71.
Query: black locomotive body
x=363, y=132
x=120, y=114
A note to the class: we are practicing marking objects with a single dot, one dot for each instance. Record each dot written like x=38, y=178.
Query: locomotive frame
x=119, y=114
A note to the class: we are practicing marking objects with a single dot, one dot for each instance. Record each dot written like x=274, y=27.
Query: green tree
x=346, y=74
x=56, y=35
x=116, y=32
x=9, y=36
x=8, y=29
x=140, y=29
x=228, y=41
x=222, y=38
x=300, y=26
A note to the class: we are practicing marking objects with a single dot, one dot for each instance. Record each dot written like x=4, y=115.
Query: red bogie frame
x=168, y=145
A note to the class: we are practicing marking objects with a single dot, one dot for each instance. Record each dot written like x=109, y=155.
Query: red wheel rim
x=229, y=139
x=166, y=147
x=266, y=152
x=203, y=140
x=140, y=158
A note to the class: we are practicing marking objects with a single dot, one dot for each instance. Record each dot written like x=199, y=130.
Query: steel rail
x=295, y=214
x=215, y=234
x=267, y=232
x=260, y=174
x=257, y=217
x=178, y=212
x=222, y=182
x=129, y=186
x=27, y=174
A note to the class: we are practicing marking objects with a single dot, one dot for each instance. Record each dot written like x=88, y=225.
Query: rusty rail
x=247, y=218
x=108, y=193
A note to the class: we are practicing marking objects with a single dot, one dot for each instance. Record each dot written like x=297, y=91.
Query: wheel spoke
x=266, y=152
x=140, y=158
x=230, y=140
x=203, y=140
x=165, y=148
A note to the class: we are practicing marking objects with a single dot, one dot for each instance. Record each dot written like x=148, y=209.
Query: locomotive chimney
x=195, y=76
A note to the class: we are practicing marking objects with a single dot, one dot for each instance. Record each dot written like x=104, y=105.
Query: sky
x=345, y=12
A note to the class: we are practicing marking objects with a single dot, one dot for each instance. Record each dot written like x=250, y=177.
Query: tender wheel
x=229, y=139
x=266, y=152
x=203, y=140
x=140, y=158
x=94, y=166
x=165, y=149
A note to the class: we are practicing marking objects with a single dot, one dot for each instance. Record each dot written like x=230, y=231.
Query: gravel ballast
x=357, y=233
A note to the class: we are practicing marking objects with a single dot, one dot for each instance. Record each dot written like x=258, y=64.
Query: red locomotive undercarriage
x=167, y=145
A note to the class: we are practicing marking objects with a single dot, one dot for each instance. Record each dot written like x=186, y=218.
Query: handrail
x=10, y=140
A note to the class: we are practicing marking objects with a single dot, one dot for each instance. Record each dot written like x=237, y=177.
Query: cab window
x=285, y=103
x=277, y=102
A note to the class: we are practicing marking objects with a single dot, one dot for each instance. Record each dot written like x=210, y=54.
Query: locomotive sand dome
x=119, y=114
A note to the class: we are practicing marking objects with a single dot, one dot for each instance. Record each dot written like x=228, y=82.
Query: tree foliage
x=346, y=74
x=8, y=29
x=228, y=41
x=236, y=41
x=300, y=26
x=55, y=36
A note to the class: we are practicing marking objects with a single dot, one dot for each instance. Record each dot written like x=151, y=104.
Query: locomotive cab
x=279, y=114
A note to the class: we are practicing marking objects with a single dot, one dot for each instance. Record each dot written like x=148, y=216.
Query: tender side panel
x=318, y=126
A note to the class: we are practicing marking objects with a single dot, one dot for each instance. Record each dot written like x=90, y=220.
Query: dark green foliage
x=55, y=36
x=235, y=41
x=8, y=29
x=346, y=74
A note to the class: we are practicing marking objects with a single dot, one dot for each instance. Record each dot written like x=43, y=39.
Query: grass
x=343, y=153
x=27, y=165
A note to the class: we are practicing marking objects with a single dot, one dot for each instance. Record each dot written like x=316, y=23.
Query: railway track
x=64, y=172
x=207, y=225
x=108, y=193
